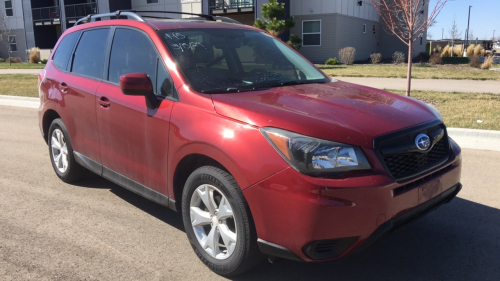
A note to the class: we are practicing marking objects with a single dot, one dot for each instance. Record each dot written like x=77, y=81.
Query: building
x=326, y=26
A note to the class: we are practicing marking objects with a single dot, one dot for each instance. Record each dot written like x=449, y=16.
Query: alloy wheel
x=59, y=150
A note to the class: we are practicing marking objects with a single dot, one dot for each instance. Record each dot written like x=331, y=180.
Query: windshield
x=236, y=60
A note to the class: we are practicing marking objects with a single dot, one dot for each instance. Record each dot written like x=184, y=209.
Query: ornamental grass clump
x=376, y=58
x=347, y=55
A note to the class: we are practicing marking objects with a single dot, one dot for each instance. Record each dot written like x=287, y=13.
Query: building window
x=311, y=33
x=364, y=28
x=8, y=8
x=12, y=43
x=152, y=2
x=421, y=40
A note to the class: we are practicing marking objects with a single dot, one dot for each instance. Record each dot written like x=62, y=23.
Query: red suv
x=262, y=153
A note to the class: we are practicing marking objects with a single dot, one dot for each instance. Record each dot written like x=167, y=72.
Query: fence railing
x=77, y=11
x=230, y=4
x=45, y=13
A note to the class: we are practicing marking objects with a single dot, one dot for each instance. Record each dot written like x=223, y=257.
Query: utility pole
x=442, y=34
x=494, y=35
x=62, y=15
x=467, y=37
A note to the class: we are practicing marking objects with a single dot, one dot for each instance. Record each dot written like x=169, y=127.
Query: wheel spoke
x=55, y=144
x=64, y=161
x=225, y=210
x=57, y=160
x=206, y=195
x=212, y=241
x=199, y=217
x=228, y=237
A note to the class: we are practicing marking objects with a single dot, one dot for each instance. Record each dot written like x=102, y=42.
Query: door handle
x=104, y=102
x=64, y=87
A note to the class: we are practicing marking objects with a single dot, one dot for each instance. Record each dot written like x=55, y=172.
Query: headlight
x=313, y=156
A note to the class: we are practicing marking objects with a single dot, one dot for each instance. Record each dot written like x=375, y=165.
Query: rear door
x=74, y=84
x=133, y=138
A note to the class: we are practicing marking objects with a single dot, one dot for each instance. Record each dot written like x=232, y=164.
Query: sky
x=484, y=18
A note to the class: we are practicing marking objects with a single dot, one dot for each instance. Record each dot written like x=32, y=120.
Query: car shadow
x=156, y=210
x=458, y=241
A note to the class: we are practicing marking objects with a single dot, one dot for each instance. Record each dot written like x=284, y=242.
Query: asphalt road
x=97, y=230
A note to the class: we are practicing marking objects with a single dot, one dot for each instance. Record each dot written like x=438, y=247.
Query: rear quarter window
x=63, y=51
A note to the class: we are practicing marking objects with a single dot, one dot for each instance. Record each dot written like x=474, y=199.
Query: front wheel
x=218, y=222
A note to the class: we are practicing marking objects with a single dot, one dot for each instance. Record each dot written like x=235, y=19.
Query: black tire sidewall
x=213, y=176
x=74, y=170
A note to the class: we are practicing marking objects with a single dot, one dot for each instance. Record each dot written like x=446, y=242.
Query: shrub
x=2, y=60
x=376, y=58
x=398, y=58
x=44, y=61
x=34, y=55
x=458, y=51
x=474, y=62
x=446, y=52
x=347, y=55
x=331, y=61
x=295, y=42
x=422, y=57
x=470, y=50
x=477, y=50
x=487, y=63
x=13, y=60
x=436, y=59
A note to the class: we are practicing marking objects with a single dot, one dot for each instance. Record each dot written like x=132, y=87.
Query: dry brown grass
x=458, y=51
x=488, y=62
x=376, y=58
x=462, y=110
x=470, y=50
x=34, y=55
x=19, y=85
x=347, y=55
x=477, y=51
x=446, y=52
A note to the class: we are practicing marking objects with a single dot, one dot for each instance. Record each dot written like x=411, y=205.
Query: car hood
x=337, y=111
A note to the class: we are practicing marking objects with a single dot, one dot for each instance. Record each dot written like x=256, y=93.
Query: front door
x=134, y=138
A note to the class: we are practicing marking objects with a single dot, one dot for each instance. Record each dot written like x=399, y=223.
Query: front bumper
x=311, y=219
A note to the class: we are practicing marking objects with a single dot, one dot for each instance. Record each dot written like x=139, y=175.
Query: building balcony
x=51, y=15
x=78, y=11
x=231, y=6
x=46, y=15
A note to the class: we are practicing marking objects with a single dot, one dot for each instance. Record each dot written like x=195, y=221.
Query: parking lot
x=97, y=230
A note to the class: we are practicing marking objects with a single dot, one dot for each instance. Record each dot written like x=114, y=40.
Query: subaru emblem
x=423, y=142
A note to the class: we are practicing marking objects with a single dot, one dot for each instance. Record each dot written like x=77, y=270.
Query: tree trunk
x=410, y=55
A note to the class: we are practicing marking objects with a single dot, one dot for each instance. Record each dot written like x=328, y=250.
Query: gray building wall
x=339, y=31
x=21, y=46
x=389, y=44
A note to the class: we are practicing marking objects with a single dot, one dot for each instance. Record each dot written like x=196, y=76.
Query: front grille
x=401, y=157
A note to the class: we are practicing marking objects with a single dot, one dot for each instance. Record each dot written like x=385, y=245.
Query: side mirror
x=139, y=84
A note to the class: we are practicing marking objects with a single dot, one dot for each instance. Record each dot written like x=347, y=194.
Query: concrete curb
x=476, y=139
x=25, y=102
x=466, y=138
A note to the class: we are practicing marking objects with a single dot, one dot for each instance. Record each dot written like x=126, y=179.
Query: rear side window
x=90, y=52
x=131, y=52
x=63, y=52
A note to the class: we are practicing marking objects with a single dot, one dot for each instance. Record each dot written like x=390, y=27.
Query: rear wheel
x=218, y=222
x=61, y=153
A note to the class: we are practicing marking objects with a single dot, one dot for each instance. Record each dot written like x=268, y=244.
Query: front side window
x=63, y=52
x=90, y=52
x=236, y=60
x=8, y=8
x=12, y=43
x=131, y=52
x=311, y=33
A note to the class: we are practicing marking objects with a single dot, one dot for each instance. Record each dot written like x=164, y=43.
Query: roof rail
x=132, y=14
x=117, y=14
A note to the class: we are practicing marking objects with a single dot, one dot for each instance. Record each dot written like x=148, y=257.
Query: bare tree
x=407, y=20
x=429, y=35
x=454, y=33
x=5, y=33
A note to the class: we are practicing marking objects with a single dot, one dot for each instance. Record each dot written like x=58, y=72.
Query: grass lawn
x=419, y=71
x=19, y=85
x=460, y=110
x=4, y=65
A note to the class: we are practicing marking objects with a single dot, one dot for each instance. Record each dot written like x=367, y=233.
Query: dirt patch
x=430, y=101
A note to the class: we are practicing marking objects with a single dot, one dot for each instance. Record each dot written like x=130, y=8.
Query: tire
x=60, y=149
x=236, y=249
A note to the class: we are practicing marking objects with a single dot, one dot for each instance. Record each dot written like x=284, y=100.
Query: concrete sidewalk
x=440, y=85
x=20, y=71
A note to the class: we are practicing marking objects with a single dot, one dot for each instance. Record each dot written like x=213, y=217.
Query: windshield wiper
x=221, y=90
x=288, y=83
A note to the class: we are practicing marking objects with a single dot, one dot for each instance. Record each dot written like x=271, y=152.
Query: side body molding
x=124, y=182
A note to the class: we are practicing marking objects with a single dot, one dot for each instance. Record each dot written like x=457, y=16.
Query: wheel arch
x=49, y=116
